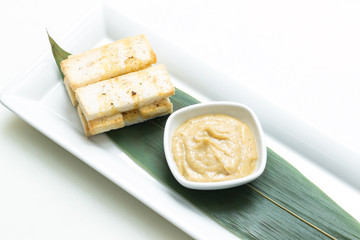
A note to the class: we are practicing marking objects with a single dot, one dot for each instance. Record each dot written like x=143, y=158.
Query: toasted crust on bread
x=132, y=117
x=160, y=114
x=100, y=125
x=83, y=122
x=123, y=56
x=156, y=109
x=106, y=124
x=125, y=93
x=161, y=108
x=70, y=92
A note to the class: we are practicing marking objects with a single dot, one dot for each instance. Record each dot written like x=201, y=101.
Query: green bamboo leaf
x=58, y=53
x=281, y=204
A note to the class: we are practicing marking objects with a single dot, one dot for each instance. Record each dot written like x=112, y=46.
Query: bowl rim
x=261, y=147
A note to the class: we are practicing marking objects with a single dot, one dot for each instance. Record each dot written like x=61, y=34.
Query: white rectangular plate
x=38, y=96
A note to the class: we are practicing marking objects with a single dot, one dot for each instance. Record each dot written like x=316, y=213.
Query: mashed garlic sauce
x=213, y=148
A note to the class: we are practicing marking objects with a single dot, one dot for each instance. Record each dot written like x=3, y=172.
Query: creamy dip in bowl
x=214, y=145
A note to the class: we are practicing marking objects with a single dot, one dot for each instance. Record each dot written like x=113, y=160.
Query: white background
x=302, y=55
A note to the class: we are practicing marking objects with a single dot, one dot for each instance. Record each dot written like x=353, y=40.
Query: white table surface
x=303, y=56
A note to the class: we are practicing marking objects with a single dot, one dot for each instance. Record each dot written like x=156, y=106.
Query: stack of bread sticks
x=116, y=85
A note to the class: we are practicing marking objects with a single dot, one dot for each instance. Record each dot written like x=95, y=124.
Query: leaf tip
x=59, y=54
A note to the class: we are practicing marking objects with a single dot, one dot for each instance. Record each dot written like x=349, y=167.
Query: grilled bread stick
x=127, y=92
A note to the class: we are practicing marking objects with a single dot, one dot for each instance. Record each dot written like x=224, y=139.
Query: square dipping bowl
x=236, y=110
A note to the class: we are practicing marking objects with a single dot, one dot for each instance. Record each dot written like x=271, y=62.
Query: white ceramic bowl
x=235, y=110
